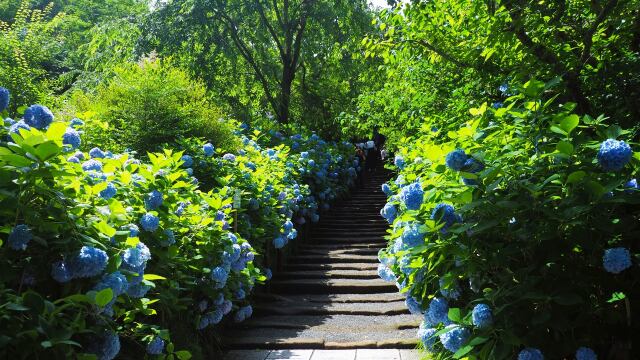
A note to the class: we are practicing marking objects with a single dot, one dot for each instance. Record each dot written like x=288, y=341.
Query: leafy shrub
x=102, y=254
x=515, y=232
x=146, y=105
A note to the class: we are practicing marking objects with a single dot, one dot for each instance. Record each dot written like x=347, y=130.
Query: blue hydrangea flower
x=149, y=222
x=226, y=307
x=220, y=276
x=497, y=105
x=153, y=200
x=456, y=159
x=114, y=281
x=399, y=162
x=386, y=273
x=482, y=316
x=412, y=235
x=450, y=292
x=530, y=354
x=208, y=149
x=106, y=347
x=455, y=338
x=585, y=353
x=71, y=137
x=73, y=159
x=472, y=165
x=92, y=165
x=426, y=337
x=387, y=189
x=15, y=128
x=292, y=234
x=109, y=192
x=136, y=257
x=170, y=238
x=413, y=305
x=5, y=96
x=389, y=212
x=181, y=207
x=134, y=230
x=89, y=262
x=96, y=153
x=214, y=317
x=446, y=214
x=288, y=225
x=438, y=312
x=315, y=218
x=243, y=313
x=75, y=122
x=268, y=274
x=616, y=260
x=187, y=161
x=155, y=346
x=38, y=116
x=19, y=237
x=240, y=294
x=614, y=154
x=61, y=272
x=304, y=154
x=229, y=157
x=412, y=196
x=279, y=242
x=138, y=291
x=631, y=186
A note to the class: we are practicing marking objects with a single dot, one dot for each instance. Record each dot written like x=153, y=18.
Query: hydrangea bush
x=515, y=232
x=104, y=254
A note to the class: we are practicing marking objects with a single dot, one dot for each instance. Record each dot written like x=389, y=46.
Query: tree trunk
x=288, y=74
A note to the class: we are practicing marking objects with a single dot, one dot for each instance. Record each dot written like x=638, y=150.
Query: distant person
x=373, y=149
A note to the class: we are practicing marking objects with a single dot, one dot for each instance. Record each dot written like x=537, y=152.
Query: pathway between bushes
x=329, y=296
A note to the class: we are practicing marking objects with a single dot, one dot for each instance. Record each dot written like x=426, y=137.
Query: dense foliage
x=105, y=254
x=514, y=232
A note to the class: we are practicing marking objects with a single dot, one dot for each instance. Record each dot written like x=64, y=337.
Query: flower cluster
x=614, y=155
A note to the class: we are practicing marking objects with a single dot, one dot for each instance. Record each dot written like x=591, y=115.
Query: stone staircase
x=329, y=295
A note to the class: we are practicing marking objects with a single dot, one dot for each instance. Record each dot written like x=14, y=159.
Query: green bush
x=536, y=207
x=103, y=254
x=143, y=106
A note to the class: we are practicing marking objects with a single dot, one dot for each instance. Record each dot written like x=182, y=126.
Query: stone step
x=325, y=331
x=329, y=259
x=331, y=286
x=330, y=274
x=370, y=309
x=343, y=251
x=334, y=266
x=374, y=245
x=336, y=298
x=349, y=240
x=346, y=226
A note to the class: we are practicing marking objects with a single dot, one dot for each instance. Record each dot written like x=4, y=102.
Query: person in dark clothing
x=373, y=151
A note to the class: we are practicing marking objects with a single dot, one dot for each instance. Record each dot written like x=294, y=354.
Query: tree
x=270, y=36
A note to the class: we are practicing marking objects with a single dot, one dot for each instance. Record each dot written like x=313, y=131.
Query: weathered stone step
x=332, y=286
x=334, y=266
x=351, y=226
x=338, y=298
x=329, y=259
x=370, y=309
x=350, y=240
x=374, y=245
x=325, y=331
x=343, y=251
x=330, y=274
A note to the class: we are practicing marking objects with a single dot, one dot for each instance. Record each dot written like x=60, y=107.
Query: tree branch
x=271, y=30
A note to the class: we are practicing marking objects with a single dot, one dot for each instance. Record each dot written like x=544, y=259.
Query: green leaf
x=16, y=160
x=576, y=176
x=617, y=296
x=569, y=123
x=103, y=297
x=104, y=228
x=47, y=150
x=454, y=315
x=533, y=88
x=183, y=355
x=56, y=130
x=558, y=130
x=565, y=147
x=152, y=277
x=462, y=351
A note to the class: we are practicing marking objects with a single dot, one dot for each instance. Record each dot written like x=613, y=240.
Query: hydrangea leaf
x=152, y=277
x=104, y=228
x=56, y=130
x=462, y=351
x=569, y=123
x=103, y=297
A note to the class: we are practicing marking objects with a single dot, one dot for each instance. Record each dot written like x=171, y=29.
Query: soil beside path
x=329, y=295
